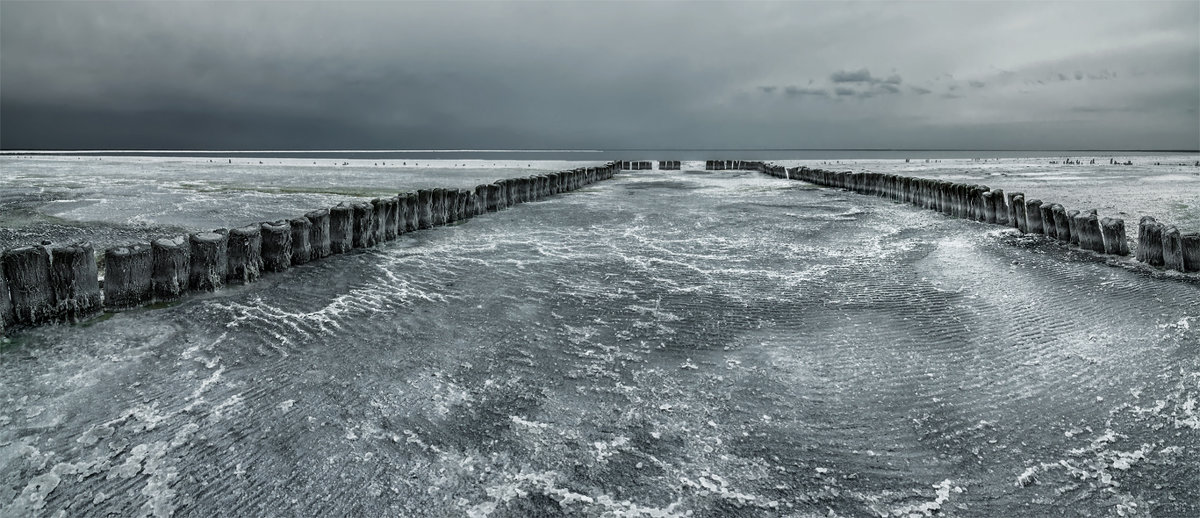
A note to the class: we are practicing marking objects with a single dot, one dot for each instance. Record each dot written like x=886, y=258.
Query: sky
x=600, y=75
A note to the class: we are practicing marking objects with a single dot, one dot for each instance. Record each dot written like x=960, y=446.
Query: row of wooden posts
x=636, y=165
x=55, y=283
x=1157, y=245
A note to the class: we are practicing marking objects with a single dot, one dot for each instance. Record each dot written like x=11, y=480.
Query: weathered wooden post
x=341, y=228
x=481, y=199
x=364, y=224
x=413, y=220
x=1191, y=251
x=127, y=277
x=209, y=261
x=425, y=209
x=301, y=243
x=401, y=214
x=171, y=258
x=989, y=207
x=1062, y=226
x=1047, y=216
x=276, y=246
x=1149, y=248
x=381, y=212
x=1172, y=245
x=1112, y=230
x=1020, y=213
x=6, y=314
x=1093, y=232
x=75, y=282
x=245, y=252
x=27, y=272
x=318, y=235
x=1000, y=206
x=1033, y=216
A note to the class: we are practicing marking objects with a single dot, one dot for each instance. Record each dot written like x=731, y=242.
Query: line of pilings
x=49, y=283
x=1157, y=245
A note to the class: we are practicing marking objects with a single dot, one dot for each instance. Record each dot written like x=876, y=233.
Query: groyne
x=1157, y=244
x=47, y=283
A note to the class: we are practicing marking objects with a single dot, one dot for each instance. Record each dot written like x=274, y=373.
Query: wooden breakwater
x=48, y=283
x=1157, y=245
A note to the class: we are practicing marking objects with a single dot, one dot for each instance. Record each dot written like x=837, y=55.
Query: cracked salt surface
x=662, y=344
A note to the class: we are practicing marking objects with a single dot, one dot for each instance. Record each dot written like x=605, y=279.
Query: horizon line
x=325, y=151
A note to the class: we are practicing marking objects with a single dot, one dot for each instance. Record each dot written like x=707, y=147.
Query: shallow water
x=660, y=344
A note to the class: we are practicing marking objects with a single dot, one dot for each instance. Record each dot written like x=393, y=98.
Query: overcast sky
x=572, y=75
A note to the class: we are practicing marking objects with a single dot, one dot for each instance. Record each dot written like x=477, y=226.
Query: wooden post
x=1072, y=227
x=425, y=209
x=1000, y=206
x=382, y=213
x=1048, y=226
x=27, y=272
x=1191, y=251
x=413, y=220
x=6, y=314
x=1112, y=230
x=1062, y=227
x=318, y=235
x=1093, y=232
x=1172, y=245
x=481, y=199
x=989, y=206
x=127, y=275
x=302, y=251
x=341, y=228
x=209, y=261
x=171, y=266
x=245, y=252
x=1033, y=216
x=1020, y=213
x=75, y=282
x=364, y=224
x=1149, y=248
x=276, y=246
x=401, y=214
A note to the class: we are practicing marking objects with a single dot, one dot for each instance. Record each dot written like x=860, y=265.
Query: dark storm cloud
x=591, y=75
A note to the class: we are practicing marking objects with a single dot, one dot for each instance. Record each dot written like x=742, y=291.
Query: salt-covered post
x=302, y=251
x=1033, y=216
x=276, y=246
x=1020, y=212
x=75, y=282
x=27, y=272
x=1112, y=230
x=171, y=266
x=1049, y=227
x=1062, y=226
x=481, y=199
x=413, y=220
x=1093, y=232
x=318, y=234
x=341, y=228
x=1000, y=206
x=1149, y=248
x=381, y=213
x=6, y=315
x=127, y=274
x=401, y=214
x=245, y=252
x=425, y=209
x=1191, y=251
x=209, y=261
x=364, y=224
x=1172, y=245
x=989, y=207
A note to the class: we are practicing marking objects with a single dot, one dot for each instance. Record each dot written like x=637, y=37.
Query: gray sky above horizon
x=600, y=75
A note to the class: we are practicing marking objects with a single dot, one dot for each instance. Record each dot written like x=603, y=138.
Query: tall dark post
x=413, y=219
x=209, y=261
x=27, y=272
x=245, y=254
x=318, y=235
x=75, y=282
x=301, y=243
x=1112, y=231
x=364, y=224
x=341, y=228
x=1149, y=248
x=171, y=258
x=127, y=277
x=425, y=208
x=1172, y=245
x=276, y=246
x=1191, y=251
